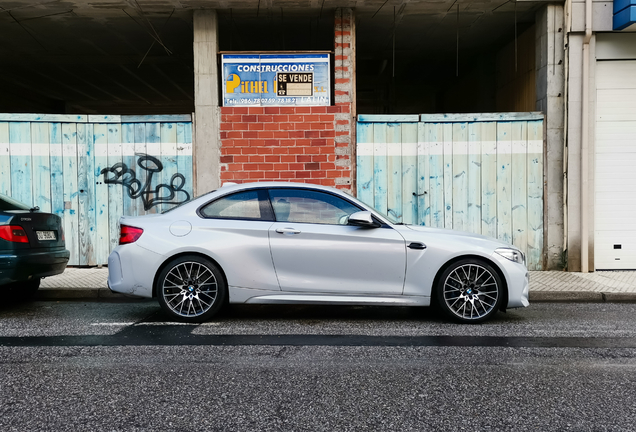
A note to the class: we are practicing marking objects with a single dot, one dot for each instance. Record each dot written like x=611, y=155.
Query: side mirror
x=363, y=219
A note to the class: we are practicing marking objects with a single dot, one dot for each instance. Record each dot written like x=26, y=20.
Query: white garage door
x=615, y=188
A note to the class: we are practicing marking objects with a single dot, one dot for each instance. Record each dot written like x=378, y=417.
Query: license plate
x=45, y=235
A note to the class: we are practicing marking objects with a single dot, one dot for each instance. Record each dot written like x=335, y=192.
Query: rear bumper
x=131, y=270
x=26, y=266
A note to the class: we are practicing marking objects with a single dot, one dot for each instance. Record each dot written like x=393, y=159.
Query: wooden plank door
x=79, y=167
x=475, y=173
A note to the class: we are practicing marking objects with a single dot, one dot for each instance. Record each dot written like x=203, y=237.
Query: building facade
x=569, y=63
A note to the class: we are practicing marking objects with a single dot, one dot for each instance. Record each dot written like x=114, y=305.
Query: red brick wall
x=280, y=143
x=305, y=144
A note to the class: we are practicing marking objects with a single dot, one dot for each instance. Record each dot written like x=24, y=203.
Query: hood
x=459, y=235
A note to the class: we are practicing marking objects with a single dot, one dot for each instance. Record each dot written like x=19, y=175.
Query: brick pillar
x=345, y=119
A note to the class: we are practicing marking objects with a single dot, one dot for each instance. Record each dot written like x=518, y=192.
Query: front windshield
x=390, y=216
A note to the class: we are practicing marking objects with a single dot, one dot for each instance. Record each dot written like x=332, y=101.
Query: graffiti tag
x=163, y=193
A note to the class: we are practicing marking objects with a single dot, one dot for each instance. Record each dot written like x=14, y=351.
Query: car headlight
x=512, y=254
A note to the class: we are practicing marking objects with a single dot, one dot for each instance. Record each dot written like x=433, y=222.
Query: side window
x=305, y=206
x=242, y=205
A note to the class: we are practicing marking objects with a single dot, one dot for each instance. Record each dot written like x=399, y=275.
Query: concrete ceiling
x=135, y=56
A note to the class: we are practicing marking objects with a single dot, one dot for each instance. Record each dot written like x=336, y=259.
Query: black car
x=31, y=246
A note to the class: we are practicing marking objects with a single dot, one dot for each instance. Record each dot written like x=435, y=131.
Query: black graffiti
x=161, y=194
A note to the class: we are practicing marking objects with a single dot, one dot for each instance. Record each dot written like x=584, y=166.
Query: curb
x=536, y=296
x=75, y=293
x=581, y=297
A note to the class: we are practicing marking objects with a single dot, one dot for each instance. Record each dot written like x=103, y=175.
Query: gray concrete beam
x=206, y=136
x=550, y=99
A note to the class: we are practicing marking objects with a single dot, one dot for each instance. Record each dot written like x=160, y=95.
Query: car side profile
x=273, y=243
x=32, y=246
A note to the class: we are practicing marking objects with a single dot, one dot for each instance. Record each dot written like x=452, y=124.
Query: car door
x=314, y=250
x=235, y=232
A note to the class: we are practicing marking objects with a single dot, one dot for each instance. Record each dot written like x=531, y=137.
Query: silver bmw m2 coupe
x=302, y=243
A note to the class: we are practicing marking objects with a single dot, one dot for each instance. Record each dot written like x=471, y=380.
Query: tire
x=469, y=291
x=23, y=290
x=31, y=287
x=191, y=289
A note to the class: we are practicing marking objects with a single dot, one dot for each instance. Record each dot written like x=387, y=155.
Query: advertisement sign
x=276, y=79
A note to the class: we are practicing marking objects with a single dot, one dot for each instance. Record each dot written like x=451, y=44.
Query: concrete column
x=550, y=92
x=206, y=102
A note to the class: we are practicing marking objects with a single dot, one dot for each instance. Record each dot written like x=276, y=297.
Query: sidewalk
x=606, y=286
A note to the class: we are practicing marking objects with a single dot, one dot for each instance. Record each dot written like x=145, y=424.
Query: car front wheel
x=191, y=289
x=470, y=291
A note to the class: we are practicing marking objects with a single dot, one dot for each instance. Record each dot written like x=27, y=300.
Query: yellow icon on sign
x=232, y=83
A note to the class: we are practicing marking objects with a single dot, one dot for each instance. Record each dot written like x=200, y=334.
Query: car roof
x=226, y=187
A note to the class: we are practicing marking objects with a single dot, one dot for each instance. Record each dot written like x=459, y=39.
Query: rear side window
x=248, y=205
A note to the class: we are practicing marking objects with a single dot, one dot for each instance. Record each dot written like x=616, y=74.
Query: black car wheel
x=23, y=290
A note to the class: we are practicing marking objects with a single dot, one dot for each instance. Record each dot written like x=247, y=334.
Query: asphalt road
x=118, y=366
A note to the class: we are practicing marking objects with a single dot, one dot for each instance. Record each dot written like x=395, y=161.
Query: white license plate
x=45, y=235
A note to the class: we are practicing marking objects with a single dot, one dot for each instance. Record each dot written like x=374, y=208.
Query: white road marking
x=112, y=324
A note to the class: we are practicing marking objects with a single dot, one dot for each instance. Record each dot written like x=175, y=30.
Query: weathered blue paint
x=58, y=118
x=481, y=117
x=478, y=173
x=57, y=163
x=21, y=175
x=384, y=118
x=170, y=118
x=57, y=169
x=364, y=162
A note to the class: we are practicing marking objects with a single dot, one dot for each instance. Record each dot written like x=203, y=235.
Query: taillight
x=129, y=234
x=13, y=233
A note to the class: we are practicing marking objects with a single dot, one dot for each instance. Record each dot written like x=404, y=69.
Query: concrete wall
x=516, y=74
x=550, y=99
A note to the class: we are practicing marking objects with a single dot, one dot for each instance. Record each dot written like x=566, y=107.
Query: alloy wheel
x=470, y=291
x=189, y=289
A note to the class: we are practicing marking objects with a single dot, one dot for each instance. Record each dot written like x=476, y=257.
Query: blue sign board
x=625, y=15
x=276, y=79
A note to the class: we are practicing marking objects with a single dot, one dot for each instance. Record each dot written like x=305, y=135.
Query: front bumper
x=27, y=265
x=518, y=281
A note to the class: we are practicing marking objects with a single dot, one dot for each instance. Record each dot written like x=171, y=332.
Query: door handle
x=289, y=231
x=417, y=245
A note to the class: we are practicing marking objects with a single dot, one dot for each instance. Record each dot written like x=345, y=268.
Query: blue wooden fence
x=481, y=173
x=91, y=170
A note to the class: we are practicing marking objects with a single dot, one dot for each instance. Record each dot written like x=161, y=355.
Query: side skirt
x=252, y=296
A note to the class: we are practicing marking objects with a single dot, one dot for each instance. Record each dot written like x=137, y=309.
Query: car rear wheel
x=30, y=287
x=470, y=291
x=191, y=289
x=23, y=290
